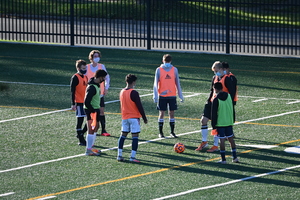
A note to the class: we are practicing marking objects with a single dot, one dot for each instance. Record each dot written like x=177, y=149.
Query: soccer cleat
x=105, y=134
x=90, y=152
x=202, y=146
x=96, y=151
x=173, y=135
x=133, y=160
x=120, y=159
x=213, y=149
x=222, y=162
x=235, y=160
x=161, y=135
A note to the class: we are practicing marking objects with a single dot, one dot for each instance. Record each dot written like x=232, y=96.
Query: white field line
x=25, y=83
x=69, y=157
x=6, y=194
x=258, y=100
x=293, y=102
x=41, y=114
x=226, y=183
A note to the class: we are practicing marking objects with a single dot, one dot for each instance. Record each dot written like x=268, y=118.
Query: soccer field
x=40, y=158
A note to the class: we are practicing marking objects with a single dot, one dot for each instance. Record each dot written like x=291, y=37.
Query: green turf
x=161, y=171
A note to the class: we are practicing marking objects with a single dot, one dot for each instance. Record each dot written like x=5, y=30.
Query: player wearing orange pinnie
x=78, y=85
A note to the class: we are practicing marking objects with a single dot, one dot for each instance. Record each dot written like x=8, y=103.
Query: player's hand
x=182, y=100
x=105, y=92
x=146, y=121
x=73, y=107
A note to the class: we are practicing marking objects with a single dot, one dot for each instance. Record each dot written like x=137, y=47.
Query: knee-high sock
x=216, y=141
x=102, y=122
x=135, y=143
x=204, y=131
x=89, y=141
x=121, y=144
x=161, y=125
x=172, y=125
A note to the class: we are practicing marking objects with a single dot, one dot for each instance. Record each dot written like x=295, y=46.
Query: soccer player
x=94, y=58
x=78, y=86
x=234, y=90
x=132, y=110
x=222, y=119
x=166, y=84
x=92, y=108
x=226, y=82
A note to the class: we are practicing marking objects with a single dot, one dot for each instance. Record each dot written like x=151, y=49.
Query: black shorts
x=163, y=104
x=207, y=110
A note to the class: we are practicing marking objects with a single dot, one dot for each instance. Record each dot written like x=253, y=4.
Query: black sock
x=102, y=122
x=172, y=125
x=160, y=127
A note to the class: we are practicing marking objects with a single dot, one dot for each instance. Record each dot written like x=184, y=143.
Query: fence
x=270, y=27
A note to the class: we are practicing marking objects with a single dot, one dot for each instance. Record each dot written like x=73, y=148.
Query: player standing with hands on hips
x=94, y=57
x=166, y=85
x=131, y=110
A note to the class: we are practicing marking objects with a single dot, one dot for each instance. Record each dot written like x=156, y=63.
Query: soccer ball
x=179, y=147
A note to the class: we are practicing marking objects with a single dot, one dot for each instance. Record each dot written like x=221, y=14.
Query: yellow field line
x=149, y=173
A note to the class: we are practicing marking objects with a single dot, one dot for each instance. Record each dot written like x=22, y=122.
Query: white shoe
x=222, y=162
x=236, y=160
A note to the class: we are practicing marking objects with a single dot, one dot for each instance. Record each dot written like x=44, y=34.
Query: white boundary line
x=26, y=83
x=6, y=194
x=69, y=157
x=226, y=183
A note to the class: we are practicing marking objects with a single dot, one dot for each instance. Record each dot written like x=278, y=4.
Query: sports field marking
x=6, y=194
x=295, y=150
x=258, y=100
x=69, y=157
x=227, y=183
x=157, y=171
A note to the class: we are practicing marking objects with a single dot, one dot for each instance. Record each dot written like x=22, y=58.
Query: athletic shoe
x=120, y=159
x=133, y=160
x=90, y=152
x=202, y=146
x=222, y=162
x=173, y=135
x=96, y=151
x=213, y=149
x=105, y=134
x=235, y=160
x=161, y=135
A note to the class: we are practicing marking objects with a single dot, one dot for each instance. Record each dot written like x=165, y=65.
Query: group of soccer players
x=91, y=82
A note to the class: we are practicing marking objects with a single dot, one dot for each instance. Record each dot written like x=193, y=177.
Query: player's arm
x=214, y=113
x=211, y=90
x=90, y=92
x=107, y=78
x=135, y=97
x=231, y=88
x=155, y=85
x=74, y=82
x=177, y=82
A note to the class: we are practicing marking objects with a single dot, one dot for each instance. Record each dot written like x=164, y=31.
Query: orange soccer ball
x=179, y=147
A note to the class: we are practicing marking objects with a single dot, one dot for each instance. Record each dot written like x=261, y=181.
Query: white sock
x=95, y=133
x=204, y=134
x=133, y=153
x=216, y=141
x=89, y=141
x=120, y=152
